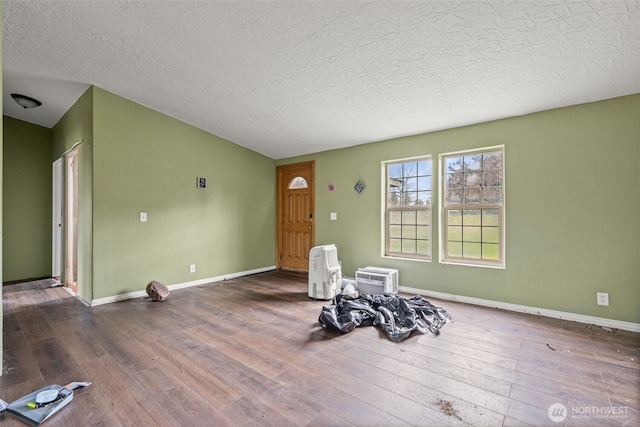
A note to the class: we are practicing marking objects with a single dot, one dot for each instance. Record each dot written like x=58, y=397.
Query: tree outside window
x=408, y=208
x=473, y=206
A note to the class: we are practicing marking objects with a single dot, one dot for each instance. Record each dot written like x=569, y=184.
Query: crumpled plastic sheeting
x=397, y=317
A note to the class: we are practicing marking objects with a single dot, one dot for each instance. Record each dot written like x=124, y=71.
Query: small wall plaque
x=202, y=183
x=359, y=186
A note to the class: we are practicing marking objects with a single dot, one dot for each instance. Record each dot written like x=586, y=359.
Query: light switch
x=333, y=216
x=143, y=217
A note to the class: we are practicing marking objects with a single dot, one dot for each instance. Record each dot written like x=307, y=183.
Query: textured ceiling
x=286, y=78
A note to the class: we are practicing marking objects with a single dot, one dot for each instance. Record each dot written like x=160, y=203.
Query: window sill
x=469, y=264
x=406, y=258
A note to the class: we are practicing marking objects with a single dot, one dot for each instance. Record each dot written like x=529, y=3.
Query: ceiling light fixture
x=25, y=101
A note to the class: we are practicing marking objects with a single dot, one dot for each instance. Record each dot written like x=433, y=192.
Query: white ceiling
x=286, y=78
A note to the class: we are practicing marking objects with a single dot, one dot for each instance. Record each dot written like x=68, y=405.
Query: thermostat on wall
x=202, y=182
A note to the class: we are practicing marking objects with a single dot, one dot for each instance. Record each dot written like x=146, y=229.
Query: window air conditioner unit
x=377, y=280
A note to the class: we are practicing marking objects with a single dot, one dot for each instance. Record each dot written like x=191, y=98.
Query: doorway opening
x=65, y=221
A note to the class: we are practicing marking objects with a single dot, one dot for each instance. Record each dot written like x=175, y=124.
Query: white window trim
x=441, y=208
x=383, y=211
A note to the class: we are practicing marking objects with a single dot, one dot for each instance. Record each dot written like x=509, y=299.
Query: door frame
x=71, y=202
x=279, y=206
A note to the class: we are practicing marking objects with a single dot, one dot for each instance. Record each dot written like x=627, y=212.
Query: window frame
x=387, y=208
x=444, y=209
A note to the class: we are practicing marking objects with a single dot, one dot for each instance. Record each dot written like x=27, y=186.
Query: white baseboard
x=143, y=293
x=591, y=320
x=76, y=296
x=84, y=301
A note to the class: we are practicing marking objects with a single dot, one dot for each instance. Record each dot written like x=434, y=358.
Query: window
x=473, y=207
x=408, y=208
x=298, y=182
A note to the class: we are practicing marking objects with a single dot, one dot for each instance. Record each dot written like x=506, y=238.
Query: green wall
x=75, y=125
x=572, y=204
x=145, y=161
x=27, y=201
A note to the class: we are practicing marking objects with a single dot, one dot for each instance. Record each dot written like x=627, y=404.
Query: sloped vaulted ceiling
x=286, y=78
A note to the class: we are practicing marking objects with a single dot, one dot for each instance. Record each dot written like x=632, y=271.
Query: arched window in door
x=298, y=182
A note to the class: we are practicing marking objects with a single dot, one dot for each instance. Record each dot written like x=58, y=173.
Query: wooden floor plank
x=181, y=403
x=530, y=399
x=329, y=419
x=415, y=359
x=196, y=372
x=250, y=351
x=342, y=404
x=123, y=397
x=396, y=395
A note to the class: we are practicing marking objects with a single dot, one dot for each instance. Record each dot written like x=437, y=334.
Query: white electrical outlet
x=192, y=268
x=143, y=217
x=602, y=298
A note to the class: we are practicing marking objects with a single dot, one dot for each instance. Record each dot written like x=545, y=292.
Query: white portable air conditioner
x=325, y=273
x=377, y=280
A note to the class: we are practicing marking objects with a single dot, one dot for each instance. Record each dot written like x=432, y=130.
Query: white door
x=56, y=221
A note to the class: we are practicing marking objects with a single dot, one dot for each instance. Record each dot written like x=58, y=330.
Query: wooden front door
x=295, y=212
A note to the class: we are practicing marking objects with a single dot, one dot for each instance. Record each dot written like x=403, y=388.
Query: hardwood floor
x=249, y=351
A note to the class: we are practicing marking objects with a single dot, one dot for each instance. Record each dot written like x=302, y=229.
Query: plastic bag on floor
x=397, y=317
x=345, y=314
